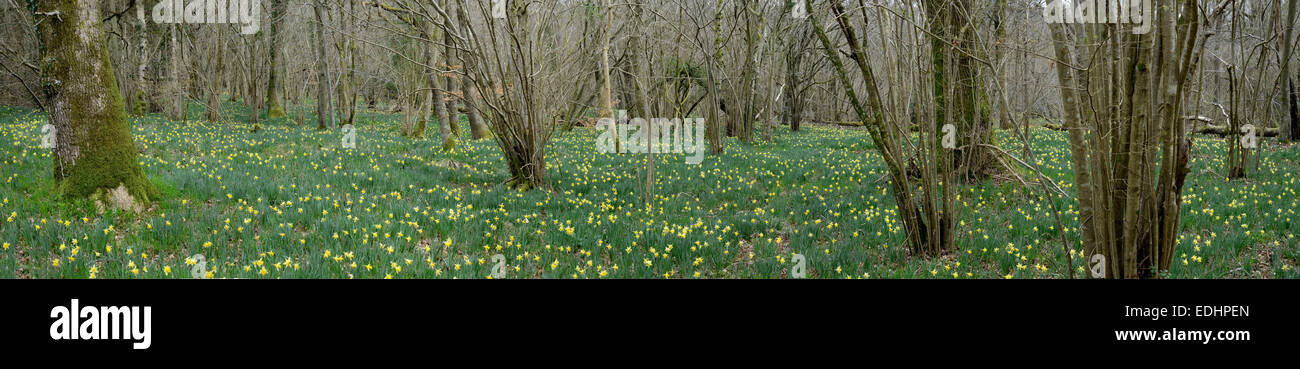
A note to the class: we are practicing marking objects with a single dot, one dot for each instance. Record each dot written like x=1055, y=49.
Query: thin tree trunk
x=1288, y=129
x=792, y=99
x=274, y=97
x=217, y=66
x=1292, y=132
x=921, y=236
x=1127, y=140
x=323, y=111
x=177, y=104
x=141, y=100
x=606, y=91
x=437, y=100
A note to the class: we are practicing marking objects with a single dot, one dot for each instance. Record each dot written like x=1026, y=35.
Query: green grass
x=289, y=202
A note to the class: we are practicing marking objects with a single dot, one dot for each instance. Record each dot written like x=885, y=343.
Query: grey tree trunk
x=141, y=105
x=1130, y=155
x=793, y=99
x=469, y=93
x=217, y=67
x=1288, y=129
x=274, y=97
x=437, y=99
x=449, y=82
x=176, y=110
x=929, y=226
x=324, y=114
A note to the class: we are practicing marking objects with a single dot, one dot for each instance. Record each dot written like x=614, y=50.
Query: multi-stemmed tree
x=1123, y=95
x=925, y=205
x=511, y=58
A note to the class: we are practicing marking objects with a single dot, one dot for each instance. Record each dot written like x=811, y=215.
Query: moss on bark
x=449, y=143
x=94, y=155
x=140, y=106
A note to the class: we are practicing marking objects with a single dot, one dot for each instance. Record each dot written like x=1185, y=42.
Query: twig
x=1030, y=167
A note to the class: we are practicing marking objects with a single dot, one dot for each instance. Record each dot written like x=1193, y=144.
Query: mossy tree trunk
x=94, y=155
x=961, y=91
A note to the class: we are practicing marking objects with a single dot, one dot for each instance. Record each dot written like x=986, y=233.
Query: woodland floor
x=289, y=202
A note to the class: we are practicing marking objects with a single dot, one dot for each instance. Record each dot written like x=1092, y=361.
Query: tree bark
x=1289, y=129
x=437, y=99
x=176, y=107
x=274, y=98
x=324, y=115
x=793, y=99
x=714, y=125
x=141, y=105
x=346, y=47
x=1292, y=132
x=1127, y=141
x=449, y=81
x=930, y=239
x=214, y=85
x=960, y=88
x=94, y=154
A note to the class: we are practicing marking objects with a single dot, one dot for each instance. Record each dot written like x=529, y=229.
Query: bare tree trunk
x=793, y=99
x=141, y=97
x=642, y=85
x=426, y=98
x=323, y=112
x=950, y=20
x=176, y=109
x=346, y=47
x=477, y=128
x=1292, y=132
x=743, y=123
x=714, y=132
x=274, y=98
x=437, y=100
x=469, y=90
x=94, y=154
x=1236, y=161
x=1129, y=203
x=216, y=76
x=449, y=81
x=607, y=90
x=1289, y=129
x=929, y=229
